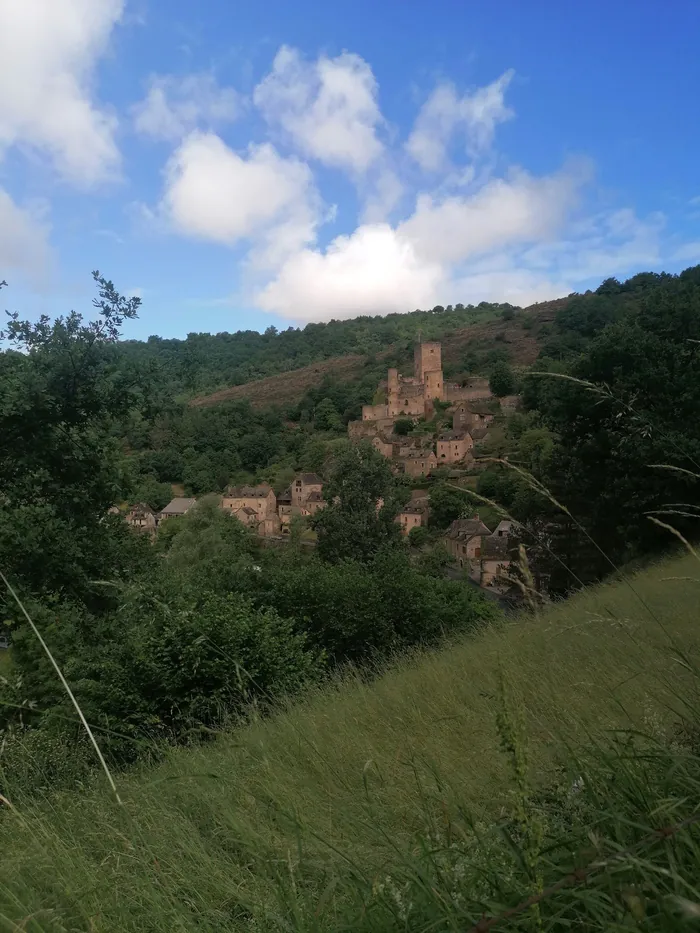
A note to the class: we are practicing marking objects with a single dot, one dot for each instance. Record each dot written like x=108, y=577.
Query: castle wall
x=372, y=412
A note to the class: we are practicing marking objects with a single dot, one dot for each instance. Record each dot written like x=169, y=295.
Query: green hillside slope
x=354, y=809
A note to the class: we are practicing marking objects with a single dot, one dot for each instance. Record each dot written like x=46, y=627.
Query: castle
x=414, y=397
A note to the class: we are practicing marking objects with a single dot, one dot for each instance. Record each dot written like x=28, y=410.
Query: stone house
x=304, y=498
x=303, y=485
x=383, y=445
x=260, y=499
x=178, y=506
x=494, y=561
x=412, y=516
x=504, y=529
x=454, y=446
x=419, y=462
x=472, y=414
x=141, y=517
x=463, y=540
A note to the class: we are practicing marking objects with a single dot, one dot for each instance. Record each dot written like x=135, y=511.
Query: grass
x=297, y=822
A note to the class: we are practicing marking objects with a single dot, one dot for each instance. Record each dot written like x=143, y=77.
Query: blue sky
x=242, y=164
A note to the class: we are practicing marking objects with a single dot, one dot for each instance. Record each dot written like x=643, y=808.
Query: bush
x=419, y=536
x=502, y=380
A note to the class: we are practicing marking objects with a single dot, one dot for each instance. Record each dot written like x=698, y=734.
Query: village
x=420, y=406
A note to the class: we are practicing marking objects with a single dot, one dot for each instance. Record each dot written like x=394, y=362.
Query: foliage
x=403, y=426
x=357, y=611
x=446, y=504
x=60, y=466
x=502, y=380
x=363, y=501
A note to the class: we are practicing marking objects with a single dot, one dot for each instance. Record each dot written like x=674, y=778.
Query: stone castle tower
x=428, y=370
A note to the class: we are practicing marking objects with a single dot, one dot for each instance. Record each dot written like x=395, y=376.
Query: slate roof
x=140, y=509
x=494, y=548
x=467, y=528
x=178, y=506
x=310, y=479
x=451, y=436
x=315, y=496
x=248, y=492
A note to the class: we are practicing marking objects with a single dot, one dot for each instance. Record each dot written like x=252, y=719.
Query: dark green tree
x=363, y=502
x=326, y=417
x=502, y=379
x=403, y=426
x=63, y=397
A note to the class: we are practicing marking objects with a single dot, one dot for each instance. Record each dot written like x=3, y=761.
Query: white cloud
x=48, y=52
x=504, y=212
x=445, y=112
x=385, y=193
x=23, y=241
x=516, y=240
x=373, y=271
x=175, y=106
x=328, y=108
x=216, y=194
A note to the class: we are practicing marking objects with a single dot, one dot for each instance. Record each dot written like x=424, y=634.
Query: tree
x=446, y=504
x=502, y=379
x=326, y=417
x=403, y=426
x=63, y=397
x=363, y=501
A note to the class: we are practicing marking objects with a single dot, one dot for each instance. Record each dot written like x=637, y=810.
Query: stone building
x=454, y=447
x=303, y=485
x=463, y=540
x=178, y=506
x=469, y=415
x=141, y=517
x=241, y=501
x=304, y=497
x=412, y=516
x=419, y=462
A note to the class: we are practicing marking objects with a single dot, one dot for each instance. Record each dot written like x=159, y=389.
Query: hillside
x=347, y=810
x=516, y=337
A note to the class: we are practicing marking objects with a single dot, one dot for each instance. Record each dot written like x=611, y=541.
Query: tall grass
x=457, y=785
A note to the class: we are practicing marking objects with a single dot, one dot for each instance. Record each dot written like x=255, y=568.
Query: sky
x=241, y=165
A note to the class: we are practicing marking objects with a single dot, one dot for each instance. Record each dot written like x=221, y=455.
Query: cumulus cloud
x=517, y=240
x=373, y=271
x=445, y=113
x=504, y=211
x=217, y=194
x=175, y=106
x=23, y=241
x=327, y=108
x=48, y=52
